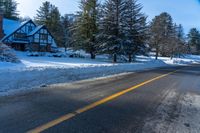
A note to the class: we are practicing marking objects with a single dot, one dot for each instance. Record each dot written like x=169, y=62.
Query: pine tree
x=134, y=27
x=181, y=42
x=56, y=26
x=169, y=35
x=111, y=28
x=173, y=42
x=1, y=5
x=194, y=41
x=49, y=16
x=87, y=26
x=180, y=32
x=43, y=14
x=67, y=25
x=9, y=8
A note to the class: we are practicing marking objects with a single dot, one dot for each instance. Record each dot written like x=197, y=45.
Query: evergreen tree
x=67, y=25
x=55, y=26
x=43, y=14
x=87, y=26
x=180, y=32
x=49, y=16
x=9, y=8
x=134, y=27
x=181, y=42
x=173, y=42
x=194, y=41
x=1, y=5
x=168, y=36
x=111, y=28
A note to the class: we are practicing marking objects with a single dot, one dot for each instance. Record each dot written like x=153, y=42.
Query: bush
x=7, y=54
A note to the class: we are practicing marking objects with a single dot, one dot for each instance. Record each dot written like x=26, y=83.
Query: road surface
x=126, y=103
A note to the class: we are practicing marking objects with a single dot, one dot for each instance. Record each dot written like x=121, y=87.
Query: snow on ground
x=176, y=114
x=189, y=117
x=33, y=72
x=187, y=60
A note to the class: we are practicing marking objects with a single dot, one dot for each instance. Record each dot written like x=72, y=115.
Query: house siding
x=39, y=40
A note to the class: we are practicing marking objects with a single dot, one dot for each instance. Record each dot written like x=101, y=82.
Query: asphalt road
x=124, y=113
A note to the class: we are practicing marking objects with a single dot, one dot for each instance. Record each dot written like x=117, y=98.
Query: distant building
x=71, y=17
x=26, y=36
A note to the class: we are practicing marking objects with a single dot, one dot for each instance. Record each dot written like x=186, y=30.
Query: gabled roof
x=38, y=29
x=35, y=30
x=11, y=26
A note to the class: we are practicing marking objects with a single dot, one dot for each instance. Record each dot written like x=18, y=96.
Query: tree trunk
x=115, y=58
x=93, y=56
x=157, y=51
x=129, y=58
x=65, y=48
x=172, y=54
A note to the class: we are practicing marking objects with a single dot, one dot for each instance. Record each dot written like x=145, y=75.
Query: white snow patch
x=186, y=60
x=34, y=72
x=189, y=118
x=176, y=115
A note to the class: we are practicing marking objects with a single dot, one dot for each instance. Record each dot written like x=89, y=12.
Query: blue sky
x=185, y=12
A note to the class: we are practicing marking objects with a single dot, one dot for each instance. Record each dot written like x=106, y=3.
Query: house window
x=43, y=36
x=20, y=35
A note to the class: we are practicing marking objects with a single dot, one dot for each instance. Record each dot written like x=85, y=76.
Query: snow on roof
x=10, y=26
x=35, y=30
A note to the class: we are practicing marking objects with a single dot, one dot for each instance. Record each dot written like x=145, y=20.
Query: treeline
x=115, y=27
x=194, y=41
x=9, y=8
x=120, y=28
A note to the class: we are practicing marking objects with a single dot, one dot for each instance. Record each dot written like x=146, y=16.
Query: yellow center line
x=93, y=105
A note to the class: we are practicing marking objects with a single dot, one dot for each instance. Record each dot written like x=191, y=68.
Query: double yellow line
x=93, y=105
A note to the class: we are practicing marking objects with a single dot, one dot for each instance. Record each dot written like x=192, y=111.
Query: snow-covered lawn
x=33, y=72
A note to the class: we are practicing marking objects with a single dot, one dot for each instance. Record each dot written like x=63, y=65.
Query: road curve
x=121, y=111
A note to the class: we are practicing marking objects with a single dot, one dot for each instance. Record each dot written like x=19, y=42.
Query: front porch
x=20, y=45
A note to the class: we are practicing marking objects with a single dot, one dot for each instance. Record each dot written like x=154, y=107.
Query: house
x=26, y=36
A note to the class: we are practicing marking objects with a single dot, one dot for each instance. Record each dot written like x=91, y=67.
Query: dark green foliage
x=9, y=8
x=123, y=28
x=49, y=16
x=67, y=24
x=86, y=26
x=180, y=48
x=116, y=27
x=112, y=35
x=135, y=29
x=194, y=41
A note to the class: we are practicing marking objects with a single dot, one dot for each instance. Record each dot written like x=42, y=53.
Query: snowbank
x=33, y=72
x=7, y=54
x=39, y=71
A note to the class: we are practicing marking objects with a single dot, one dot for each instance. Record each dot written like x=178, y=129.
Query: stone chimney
x=1, y=25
